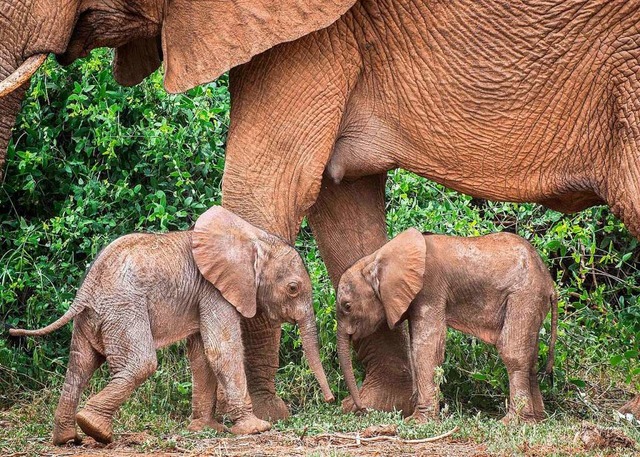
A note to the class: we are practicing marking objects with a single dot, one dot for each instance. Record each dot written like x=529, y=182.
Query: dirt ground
x=605, y=442
x=270, y=444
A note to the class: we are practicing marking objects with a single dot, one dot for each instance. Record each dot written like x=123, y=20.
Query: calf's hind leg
x=534, y=387
x=518, y=349
x=131, y=354
x=83, y=362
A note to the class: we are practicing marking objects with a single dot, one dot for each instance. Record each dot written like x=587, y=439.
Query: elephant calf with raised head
x=495, y=287
x=146, y=291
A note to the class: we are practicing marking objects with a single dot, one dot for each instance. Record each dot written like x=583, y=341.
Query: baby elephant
x=494, y=287
x=146, y=291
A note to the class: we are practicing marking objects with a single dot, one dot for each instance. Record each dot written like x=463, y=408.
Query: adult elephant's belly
x=515, y=117
x=486, y=163
x=543, y=151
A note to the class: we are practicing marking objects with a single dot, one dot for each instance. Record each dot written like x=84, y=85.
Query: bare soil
x=270, y=444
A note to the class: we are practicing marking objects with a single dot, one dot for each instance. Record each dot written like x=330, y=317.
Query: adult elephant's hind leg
x=622, y=183
x=348, y=221
x=626, y=206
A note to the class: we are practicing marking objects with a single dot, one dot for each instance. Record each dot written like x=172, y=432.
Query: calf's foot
x=97, y=426
x=250, y=425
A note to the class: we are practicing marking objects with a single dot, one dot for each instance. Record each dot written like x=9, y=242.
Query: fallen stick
x=433, y=438
x=359, y=439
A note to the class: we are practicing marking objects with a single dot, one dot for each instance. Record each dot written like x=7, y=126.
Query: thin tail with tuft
x=554, y=335
x=75, y=309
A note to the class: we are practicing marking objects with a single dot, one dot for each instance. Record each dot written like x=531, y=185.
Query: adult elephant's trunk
x=13, y=85
x=309, y=335
x=344, y=357
x=9, y=108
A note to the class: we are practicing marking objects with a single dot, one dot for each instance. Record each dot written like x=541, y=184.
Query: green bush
x=91, y=161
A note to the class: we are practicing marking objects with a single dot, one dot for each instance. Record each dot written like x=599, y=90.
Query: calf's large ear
x=201, y=39
x=227, y=251
x=396, y=273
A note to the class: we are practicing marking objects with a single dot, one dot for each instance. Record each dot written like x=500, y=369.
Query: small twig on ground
x=360, y=440
x=303, y=434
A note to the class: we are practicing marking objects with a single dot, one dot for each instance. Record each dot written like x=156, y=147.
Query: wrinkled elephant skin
x=495, y=287
x=501, y=100
x=516, y=101
x=146, y=291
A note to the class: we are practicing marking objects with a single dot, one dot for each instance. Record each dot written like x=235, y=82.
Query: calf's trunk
x=344, y=357
x=309, y=335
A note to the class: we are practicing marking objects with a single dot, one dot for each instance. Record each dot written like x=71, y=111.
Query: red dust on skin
x=128, y=307
x=545, y=113
x=495, y=287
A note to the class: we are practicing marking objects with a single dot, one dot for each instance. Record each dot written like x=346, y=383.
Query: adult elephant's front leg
x=348, y=220
x=287, y=107
x=262, y=344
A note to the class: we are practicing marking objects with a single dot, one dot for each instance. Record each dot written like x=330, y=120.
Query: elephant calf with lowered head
x=146, y=291
x=495, y=287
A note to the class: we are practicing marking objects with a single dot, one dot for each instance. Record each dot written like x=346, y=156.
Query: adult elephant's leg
x=622, y=183
x=348, y=220
x=287, y=105
x=262, y=347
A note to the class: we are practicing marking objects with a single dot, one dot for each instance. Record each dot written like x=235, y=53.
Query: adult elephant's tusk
x=22, y=74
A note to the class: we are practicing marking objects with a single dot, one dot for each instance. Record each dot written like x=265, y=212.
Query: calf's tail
x=554, y=335
x=75, y=309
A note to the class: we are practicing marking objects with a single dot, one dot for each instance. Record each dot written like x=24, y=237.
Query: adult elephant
x=517, y=101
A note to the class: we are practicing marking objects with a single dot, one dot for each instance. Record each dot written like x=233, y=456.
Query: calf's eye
x=293, y=289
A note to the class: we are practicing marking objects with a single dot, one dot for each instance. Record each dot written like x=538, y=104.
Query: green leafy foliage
x=91, y=161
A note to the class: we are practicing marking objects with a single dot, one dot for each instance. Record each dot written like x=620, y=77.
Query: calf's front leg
x=428, y=330
x=222, y=341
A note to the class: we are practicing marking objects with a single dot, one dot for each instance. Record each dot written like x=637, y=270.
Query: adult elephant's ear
x=396, y=273
x=227, y=253
x=136, y=60
x=201, y=39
